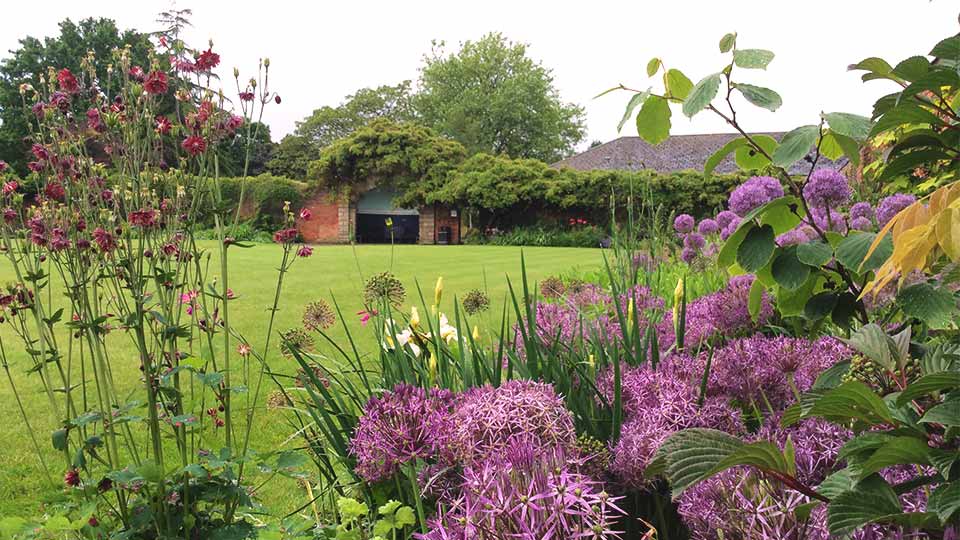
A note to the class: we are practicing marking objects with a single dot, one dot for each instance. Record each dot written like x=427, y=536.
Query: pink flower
x=305, y=251
x=207, y=60
x=10, y=187
x=305, y=214
x=137, y=73
x=39, y=152
x=3, y=165
x=145, y=217
x=163, y=125
x=72, y=478
x=194, y=145
x=243, y=349
x=366, y=315
x=156, y=83
x=285, y=236
x=104, y=240
x=234, y=123
x=246, y=96
x=68, y=83
x=55, y=191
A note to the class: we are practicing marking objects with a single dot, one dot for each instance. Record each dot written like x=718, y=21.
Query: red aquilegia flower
x=145, y=218
x=285, y=236
x=104, y=240
x=305, y=251
x=194, y=145
x=246, y=96
x=72, y=478
x=156, y=83
x=55, y=191
x=207, y=60
x=163, y=125
x=68, y=83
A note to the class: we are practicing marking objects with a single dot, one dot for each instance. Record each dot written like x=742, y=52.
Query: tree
x=233, y=152
x=493, y=98
x=31, y=60
x=411, y=159
x=292, y=157
x=328, y=124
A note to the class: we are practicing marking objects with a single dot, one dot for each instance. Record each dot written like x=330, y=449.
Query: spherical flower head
x=791, y=237
x=156, y=83
x=384, y=288
x=861, y=209
x=892, y=205
x=861, y=224
x=694, y=240
x=826, y=188
x=487, y=420
x=828, y=219
x=475, y=301
x=725, y=217
x=683, y=223
x=402, y=425
x=730, y=228
x=708, y=226
x=755, y=192
x=688, y=255
x=318, y=315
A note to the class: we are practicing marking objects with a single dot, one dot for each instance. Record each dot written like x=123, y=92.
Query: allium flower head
x=694, y=240
x=708, y=226
x=892, y=206
x=792, y=237
x=402, y=425
x=730, y=228
x=475, y=301
x=755, y=192
x=295, y=339
x=861, y=224
x=861, y=210
x=488, y=420
x=683, y=223
x=318, y=315
x=725, y=217
x=552, y=288
x=688, y=254
x=384, y=288
x=827, y=188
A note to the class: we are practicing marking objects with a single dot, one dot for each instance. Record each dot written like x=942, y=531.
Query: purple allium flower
x=755, y=192
x=861, y=224
x=688, y=255
x=724, y=312
x=401, y=425
x=792, y=237
x=683, y=223
x=892, y=206
x=861, y=209
x=725, y=217
x=730, y=228
x=487, y=421
x=527, y=494
x=708, y=226
x=826, y=188
x=828, y=220
x=694, y=240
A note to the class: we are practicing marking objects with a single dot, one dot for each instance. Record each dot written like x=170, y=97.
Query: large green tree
x=292, y=156
x=493, y=98
x=31, y=60
x=328, y=124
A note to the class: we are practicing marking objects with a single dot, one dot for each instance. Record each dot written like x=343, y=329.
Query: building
x=370, y=217
x=677, y=153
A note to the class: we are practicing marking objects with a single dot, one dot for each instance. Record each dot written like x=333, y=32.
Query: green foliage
x=292, y=156
x=232, y=153
x=328, y=124
x=491, y=97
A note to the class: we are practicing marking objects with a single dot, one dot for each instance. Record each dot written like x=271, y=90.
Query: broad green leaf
x=635, y=100
x=875, y=344
x=863, y=445
x=896, y=451
x=752, y=58
x=677, y=84
x=853, y=249
x=722, y=153
x=59, y=439
x=728, y=253
x=907, y=113
x=727, y=42
x=762, y=455
x=949, y=48
x=653, y=120
x=756, y=249
x=845, y=310
x=748, y=158
x=946, y=413
x=877, y=68
x=935, y=306
x=701, y=95
x=820, y=305
x=861, y=505
x=795, y=145
x=851, y=401
x=837, y=483
x=652, y=66
x=832, y=377
x=911, y=69
x=815, y=253
x=850, y=125
x=764, y=98
x=945, y=501
x=790, y=303
x=788, y=270
x=691, y=454
x=928, y=384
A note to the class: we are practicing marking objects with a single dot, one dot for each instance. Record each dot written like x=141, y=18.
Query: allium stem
x=411, y=472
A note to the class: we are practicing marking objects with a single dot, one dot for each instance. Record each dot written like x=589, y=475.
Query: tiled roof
x=677, y=153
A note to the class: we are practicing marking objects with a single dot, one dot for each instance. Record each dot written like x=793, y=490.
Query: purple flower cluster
x=400, y=426
x=861, y=210
x=753, y=193
x=487, y=421
x=723, y=312
x=708, y=226
x=683, y=223
x=527, y=494
x=892, y=206
x=826, y=188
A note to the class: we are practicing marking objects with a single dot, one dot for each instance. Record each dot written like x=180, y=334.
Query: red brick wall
x=430, y=227
x=324, y=225
x=444, y=219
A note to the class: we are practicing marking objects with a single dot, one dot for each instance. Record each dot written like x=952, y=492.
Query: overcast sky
x=321, y=51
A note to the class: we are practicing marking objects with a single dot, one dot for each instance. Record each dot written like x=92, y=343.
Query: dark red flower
x=234, y=123
x=194, y=145
x=10, y=187
x=305, y=214
x=104, y=240
x=55, y=191
x=93, y=522
x=145, y=217
x=9, y=215
x=305, y=251
x=104, y=485
x=40, y=152
x=72, y=478
x=246, y=96
x=3, y=165
x=35, y=166
x=163, y=125
x=93, y=119
x=285, y=236
x=276, y=99
x=137, y=74
x=156, y=83
x=207, y=60
x=68, y=83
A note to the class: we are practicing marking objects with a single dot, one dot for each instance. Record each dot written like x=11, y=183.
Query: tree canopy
x=491, y=97
x=327, y=124
x=27, y=63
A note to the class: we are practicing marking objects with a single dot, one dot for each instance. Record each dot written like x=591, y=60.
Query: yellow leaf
x=948, y=233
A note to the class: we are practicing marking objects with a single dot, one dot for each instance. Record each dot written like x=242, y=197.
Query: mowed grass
x=332, y=272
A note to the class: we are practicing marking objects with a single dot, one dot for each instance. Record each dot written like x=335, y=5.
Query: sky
x=321, y=51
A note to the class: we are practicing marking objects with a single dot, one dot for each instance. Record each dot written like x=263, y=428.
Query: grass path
x=332, y=272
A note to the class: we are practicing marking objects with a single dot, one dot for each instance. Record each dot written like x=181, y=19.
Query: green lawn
x=333, y=272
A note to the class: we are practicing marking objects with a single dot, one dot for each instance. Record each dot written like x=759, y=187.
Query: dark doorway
x=372, y=229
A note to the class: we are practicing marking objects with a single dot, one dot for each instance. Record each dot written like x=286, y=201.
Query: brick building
x=370, y=217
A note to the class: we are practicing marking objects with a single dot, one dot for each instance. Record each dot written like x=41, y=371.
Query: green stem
x=418, y=502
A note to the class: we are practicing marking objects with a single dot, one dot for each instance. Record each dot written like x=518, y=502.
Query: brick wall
x=433, y=219
x=327, y=224
x=426, y=225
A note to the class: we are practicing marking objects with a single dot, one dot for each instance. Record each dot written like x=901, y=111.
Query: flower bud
x=414, y=317
x=266, y=62
x=438, y=291
x=236, y=73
